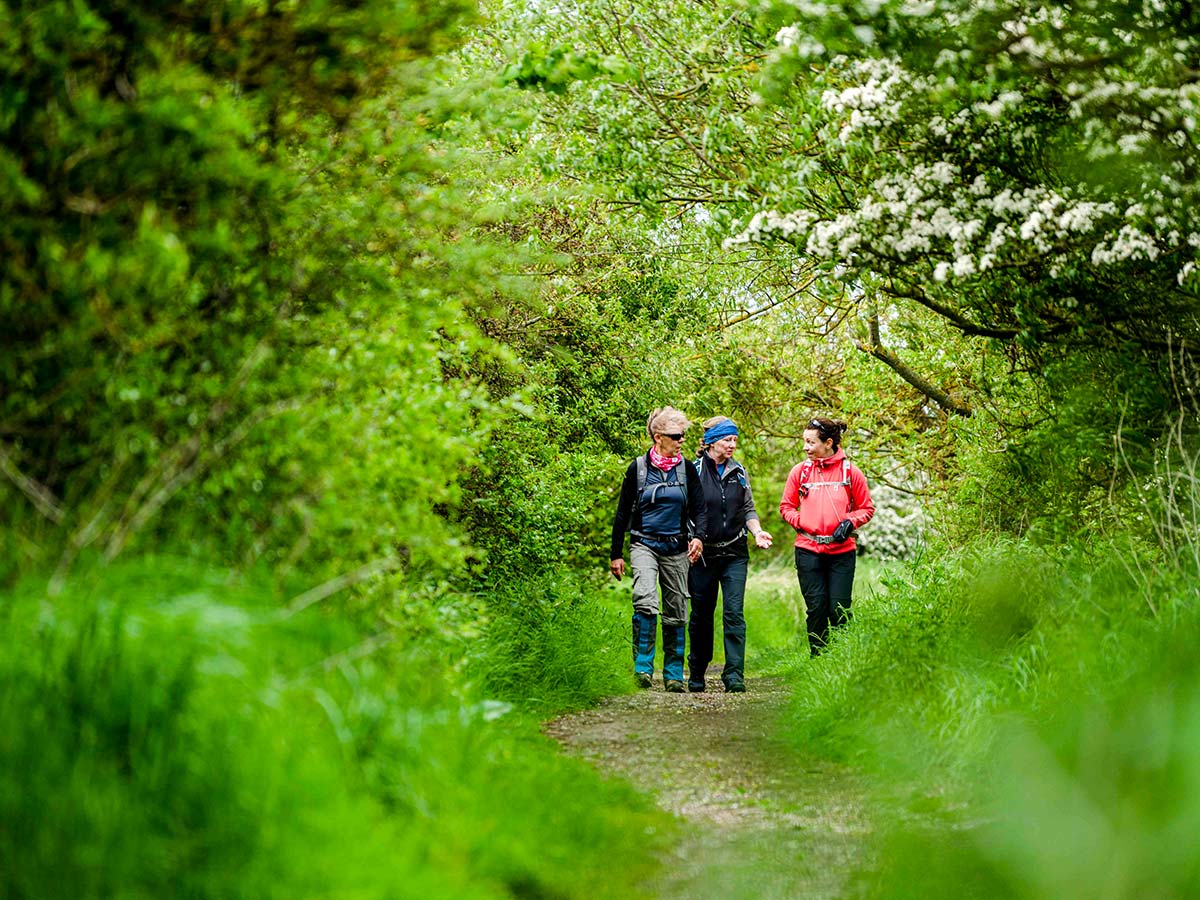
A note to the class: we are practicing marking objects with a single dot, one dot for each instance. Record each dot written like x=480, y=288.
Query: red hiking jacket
x=817, y=497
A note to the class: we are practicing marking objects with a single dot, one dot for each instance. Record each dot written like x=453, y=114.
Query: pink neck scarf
x=666, y=463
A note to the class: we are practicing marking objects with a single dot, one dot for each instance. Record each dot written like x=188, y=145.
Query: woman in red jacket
x=825, y=500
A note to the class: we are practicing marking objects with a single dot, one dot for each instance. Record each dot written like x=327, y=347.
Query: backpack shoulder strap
x=681, y=480
x=679, y=477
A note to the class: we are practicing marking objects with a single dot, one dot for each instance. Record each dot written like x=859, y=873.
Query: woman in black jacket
x=729, y=504
x=659, y=495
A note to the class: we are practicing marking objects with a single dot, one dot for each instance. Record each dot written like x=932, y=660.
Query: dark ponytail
x=828, y=429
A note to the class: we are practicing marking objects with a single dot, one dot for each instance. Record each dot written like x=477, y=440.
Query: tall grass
x=1030, y=712
x=163, y=733
x=553, y=641
x=776, y=629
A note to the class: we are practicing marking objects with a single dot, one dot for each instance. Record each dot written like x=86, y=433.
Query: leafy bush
x=1052, y=472
x=227, y=294
x=898, y=528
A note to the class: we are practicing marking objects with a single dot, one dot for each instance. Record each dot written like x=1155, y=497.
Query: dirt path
x=759, y=821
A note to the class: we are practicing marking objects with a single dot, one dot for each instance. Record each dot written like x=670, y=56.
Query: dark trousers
x=704, y=578
x=826, y=581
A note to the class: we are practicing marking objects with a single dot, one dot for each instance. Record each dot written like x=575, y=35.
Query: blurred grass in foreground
x=166, y=733
x=1033, y=728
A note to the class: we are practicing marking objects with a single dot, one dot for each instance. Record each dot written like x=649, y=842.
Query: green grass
x=1029, y=723
x=777, y=642
x=164, y=732
x=553, y=642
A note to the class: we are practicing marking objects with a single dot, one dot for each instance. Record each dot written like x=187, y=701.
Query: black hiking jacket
x=729, y=503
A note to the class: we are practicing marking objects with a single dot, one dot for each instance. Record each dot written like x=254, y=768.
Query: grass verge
x=166, y=733
x=1029, y=721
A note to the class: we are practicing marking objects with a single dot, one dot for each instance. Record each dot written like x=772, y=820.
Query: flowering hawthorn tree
x=1028, y=173
x=1023, y=175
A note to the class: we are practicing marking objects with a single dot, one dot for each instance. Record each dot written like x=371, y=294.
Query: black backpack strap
x=678, y=478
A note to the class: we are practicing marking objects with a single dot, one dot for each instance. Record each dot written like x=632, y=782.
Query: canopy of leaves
x=227, y=233
x=948, y=191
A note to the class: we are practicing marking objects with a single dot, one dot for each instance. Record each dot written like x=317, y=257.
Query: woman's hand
x=762, y=538
x=695, y=548
x=617, y=567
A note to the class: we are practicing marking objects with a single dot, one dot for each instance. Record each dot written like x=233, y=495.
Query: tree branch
x=876, y=349
x=747, y=314
x=957, y=319
x=39, y=495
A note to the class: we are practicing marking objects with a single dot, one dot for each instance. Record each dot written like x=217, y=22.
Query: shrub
x=553, y=642
x=897, y=530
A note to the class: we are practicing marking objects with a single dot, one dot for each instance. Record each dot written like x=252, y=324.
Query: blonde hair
x=666, y=420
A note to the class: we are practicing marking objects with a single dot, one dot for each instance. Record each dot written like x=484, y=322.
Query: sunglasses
x=674, y=437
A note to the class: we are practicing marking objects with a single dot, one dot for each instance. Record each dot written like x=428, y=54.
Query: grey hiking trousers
x=650, y=569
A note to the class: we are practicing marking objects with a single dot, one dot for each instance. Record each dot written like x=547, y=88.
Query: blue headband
x=723, y=429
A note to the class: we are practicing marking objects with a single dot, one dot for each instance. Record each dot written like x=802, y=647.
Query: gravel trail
x=759, y=819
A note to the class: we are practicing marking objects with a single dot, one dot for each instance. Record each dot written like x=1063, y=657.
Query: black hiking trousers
x=826, y=581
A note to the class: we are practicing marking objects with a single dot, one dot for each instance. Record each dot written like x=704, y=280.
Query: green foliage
x=288, y=287
x=1055, y=472
x=1089, y=798
x=940, y=650
x=1028, y=713
x=165, y=732
x=231, y=284
x=903, y=185
x=615, y=339
x=553, y=643
x=556, y=69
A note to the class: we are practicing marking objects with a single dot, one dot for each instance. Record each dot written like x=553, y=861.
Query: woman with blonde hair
x=731, y=515
x=826, y=500
x=658, y=495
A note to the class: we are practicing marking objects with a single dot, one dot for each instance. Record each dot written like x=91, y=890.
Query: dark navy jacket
x=629, y=515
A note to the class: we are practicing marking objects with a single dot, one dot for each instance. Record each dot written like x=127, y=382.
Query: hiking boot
x=674, y=637
x=643, y=679
x=673, y=686
x=696, y=687
x=735, y=686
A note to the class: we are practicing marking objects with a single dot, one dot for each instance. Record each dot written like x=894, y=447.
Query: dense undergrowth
x=165, y=730
x=281, y=288
x=553, y=643
x=1030, y=713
